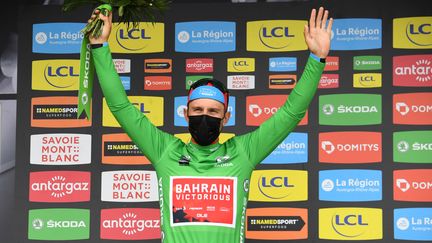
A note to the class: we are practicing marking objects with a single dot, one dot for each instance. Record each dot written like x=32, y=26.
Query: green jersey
x=203, y=190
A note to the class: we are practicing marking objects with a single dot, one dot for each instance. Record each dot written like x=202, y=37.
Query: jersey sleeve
x=262, y=141
x=150, y=140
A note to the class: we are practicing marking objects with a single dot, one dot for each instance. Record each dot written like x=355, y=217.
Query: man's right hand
x=106, y=28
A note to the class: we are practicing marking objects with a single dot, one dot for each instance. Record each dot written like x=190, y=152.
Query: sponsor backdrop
x=358, y=166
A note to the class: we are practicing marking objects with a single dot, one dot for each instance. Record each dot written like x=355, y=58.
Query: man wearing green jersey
x=203, y=185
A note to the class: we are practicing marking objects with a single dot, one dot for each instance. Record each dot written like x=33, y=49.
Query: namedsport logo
x=276, y=223
x=118, y=148
x=56, y=112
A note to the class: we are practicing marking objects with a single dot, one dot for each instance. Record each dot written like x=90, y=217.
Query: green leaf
x=129, y=11
x=121, y=11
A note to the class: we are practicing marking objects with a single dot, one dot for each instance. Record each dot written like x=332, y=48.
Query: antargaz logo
x=59, y=186
x=412, y=70
x=278, y=185
x=412, y=33
x=350, y=109
x=412, y=146
x=275, y=35
x=56, y=75
x=147, y=37
x=59, y=224
x=329, y=81
x=350, y=224
x=276, y=223
x=130, y=224
x=199, y=65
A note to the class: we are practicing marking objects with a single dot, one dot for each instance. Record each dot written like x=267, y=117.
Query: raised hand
x=106, y=28
x=318, y=33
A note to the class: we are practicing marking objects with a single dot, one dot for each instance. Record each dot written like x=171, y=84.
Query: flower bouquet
x=130, y=12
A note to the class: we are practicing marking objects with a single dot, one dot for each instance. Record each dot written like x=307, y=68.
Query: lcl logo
x=140, y=106
x=133, y=34
x=350, y=220
x=422, y=29
x=277, y=181
x=276, y=32
x=241, y=63
x=62, y=71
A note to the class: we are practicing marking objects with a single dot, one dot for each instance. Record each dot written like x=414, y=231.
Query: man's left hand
x=318, y=33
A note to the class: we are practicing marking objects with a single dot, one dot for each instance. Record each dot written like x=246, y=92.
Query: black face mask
x=204, y=129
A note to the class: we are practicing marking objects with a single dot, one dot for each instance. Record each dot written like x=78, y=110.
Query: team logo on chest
x=202, y=200
x=223, y=161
